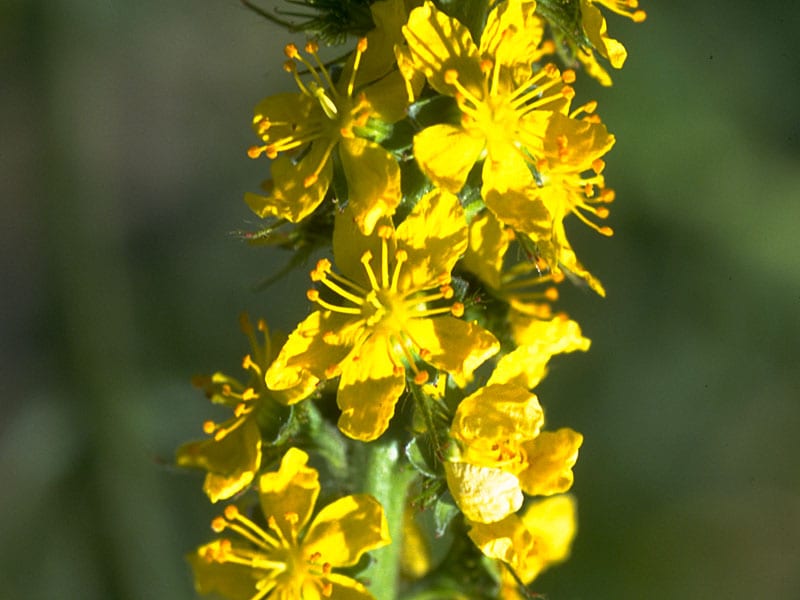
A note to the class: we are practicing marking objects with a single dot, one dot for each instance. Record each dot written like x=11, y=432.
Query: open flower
x=528, y=543
x=504, y=105
x=302, y=131
x=293, y=557
x=503, y=452
x=394, y=309
x=231, y=454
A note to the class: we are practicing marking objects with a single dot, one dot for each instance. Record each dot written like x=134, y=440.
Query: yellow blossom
x=291, y=557
x=302, y=131
x=231, y=454
x=504, y=106
x=529, y=543
x=397, y=311
x=503, y=452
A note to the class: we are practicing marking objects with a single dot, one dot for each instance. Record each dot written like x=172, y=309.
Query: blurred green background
x=122, y=161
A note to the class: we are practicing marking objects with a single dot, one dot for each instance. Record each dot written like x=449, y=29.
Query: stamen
x=313, y=296
x=401, y=256
x=361, y=46
x=366, y=259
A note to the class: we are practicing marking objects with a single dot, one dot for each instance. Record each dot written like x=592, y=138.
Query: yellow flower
x=232, y=454
x=395, y=285
x=293, y=557
x=504, y=453
x=504, y=106
x=530, y=543
x=302, y=131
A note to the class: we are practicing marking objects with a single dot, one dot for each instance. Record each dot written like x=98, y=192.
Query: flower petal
x=307, y=350
x=435, y=237
x=346, y=529
x=497, y=413
x=230, y=580
x=488, y=243
x=551, y=457
x=483, y=494
x=231, y=462
x=594, y=24
x=290, y=492
x=291, y=198
x=538, y=341
x=368, y=390
x=373, y=181
x=446, y=153
x=347, y=588
x=453, y=345
x=438, y=43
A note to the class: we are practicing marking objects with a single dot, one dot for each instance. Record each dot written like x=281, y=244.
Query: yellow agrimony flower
x=302, y=131
x=394, y=309
x=505, y=107
x=232, y=453
x=293, y=557
x=528, y=543
x=504, y=453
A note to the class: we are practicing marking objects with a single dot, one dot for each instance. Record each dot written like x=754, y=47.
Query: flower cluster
x=435, y=168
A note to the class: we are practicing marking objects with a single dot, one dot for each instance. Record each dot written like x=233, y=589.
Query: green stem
x=386, y=476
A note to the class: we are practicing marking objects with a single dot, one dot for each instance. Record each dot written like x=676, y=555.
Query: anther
x=312, y=295
x=312, y=46
x=606, y=231
x=231, y=512
x=451, y=75
x=256, y=151
x=362, y=45
x=457, y=309
x=485, y=65
x=421, y=377
x=291, y=51
x=598, y=165
x=310, y=180
x=551, y=294
x=602, y=212
x=209, y=427
x=218, y=524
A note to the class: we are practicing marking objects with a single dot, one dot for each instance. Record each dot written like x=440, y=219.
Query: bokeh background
x=123, y=127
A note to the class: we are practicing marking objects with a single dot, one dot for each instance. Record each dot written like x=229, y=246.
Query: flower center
x=336, y=117
x=500, y=111
x=386, y=307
